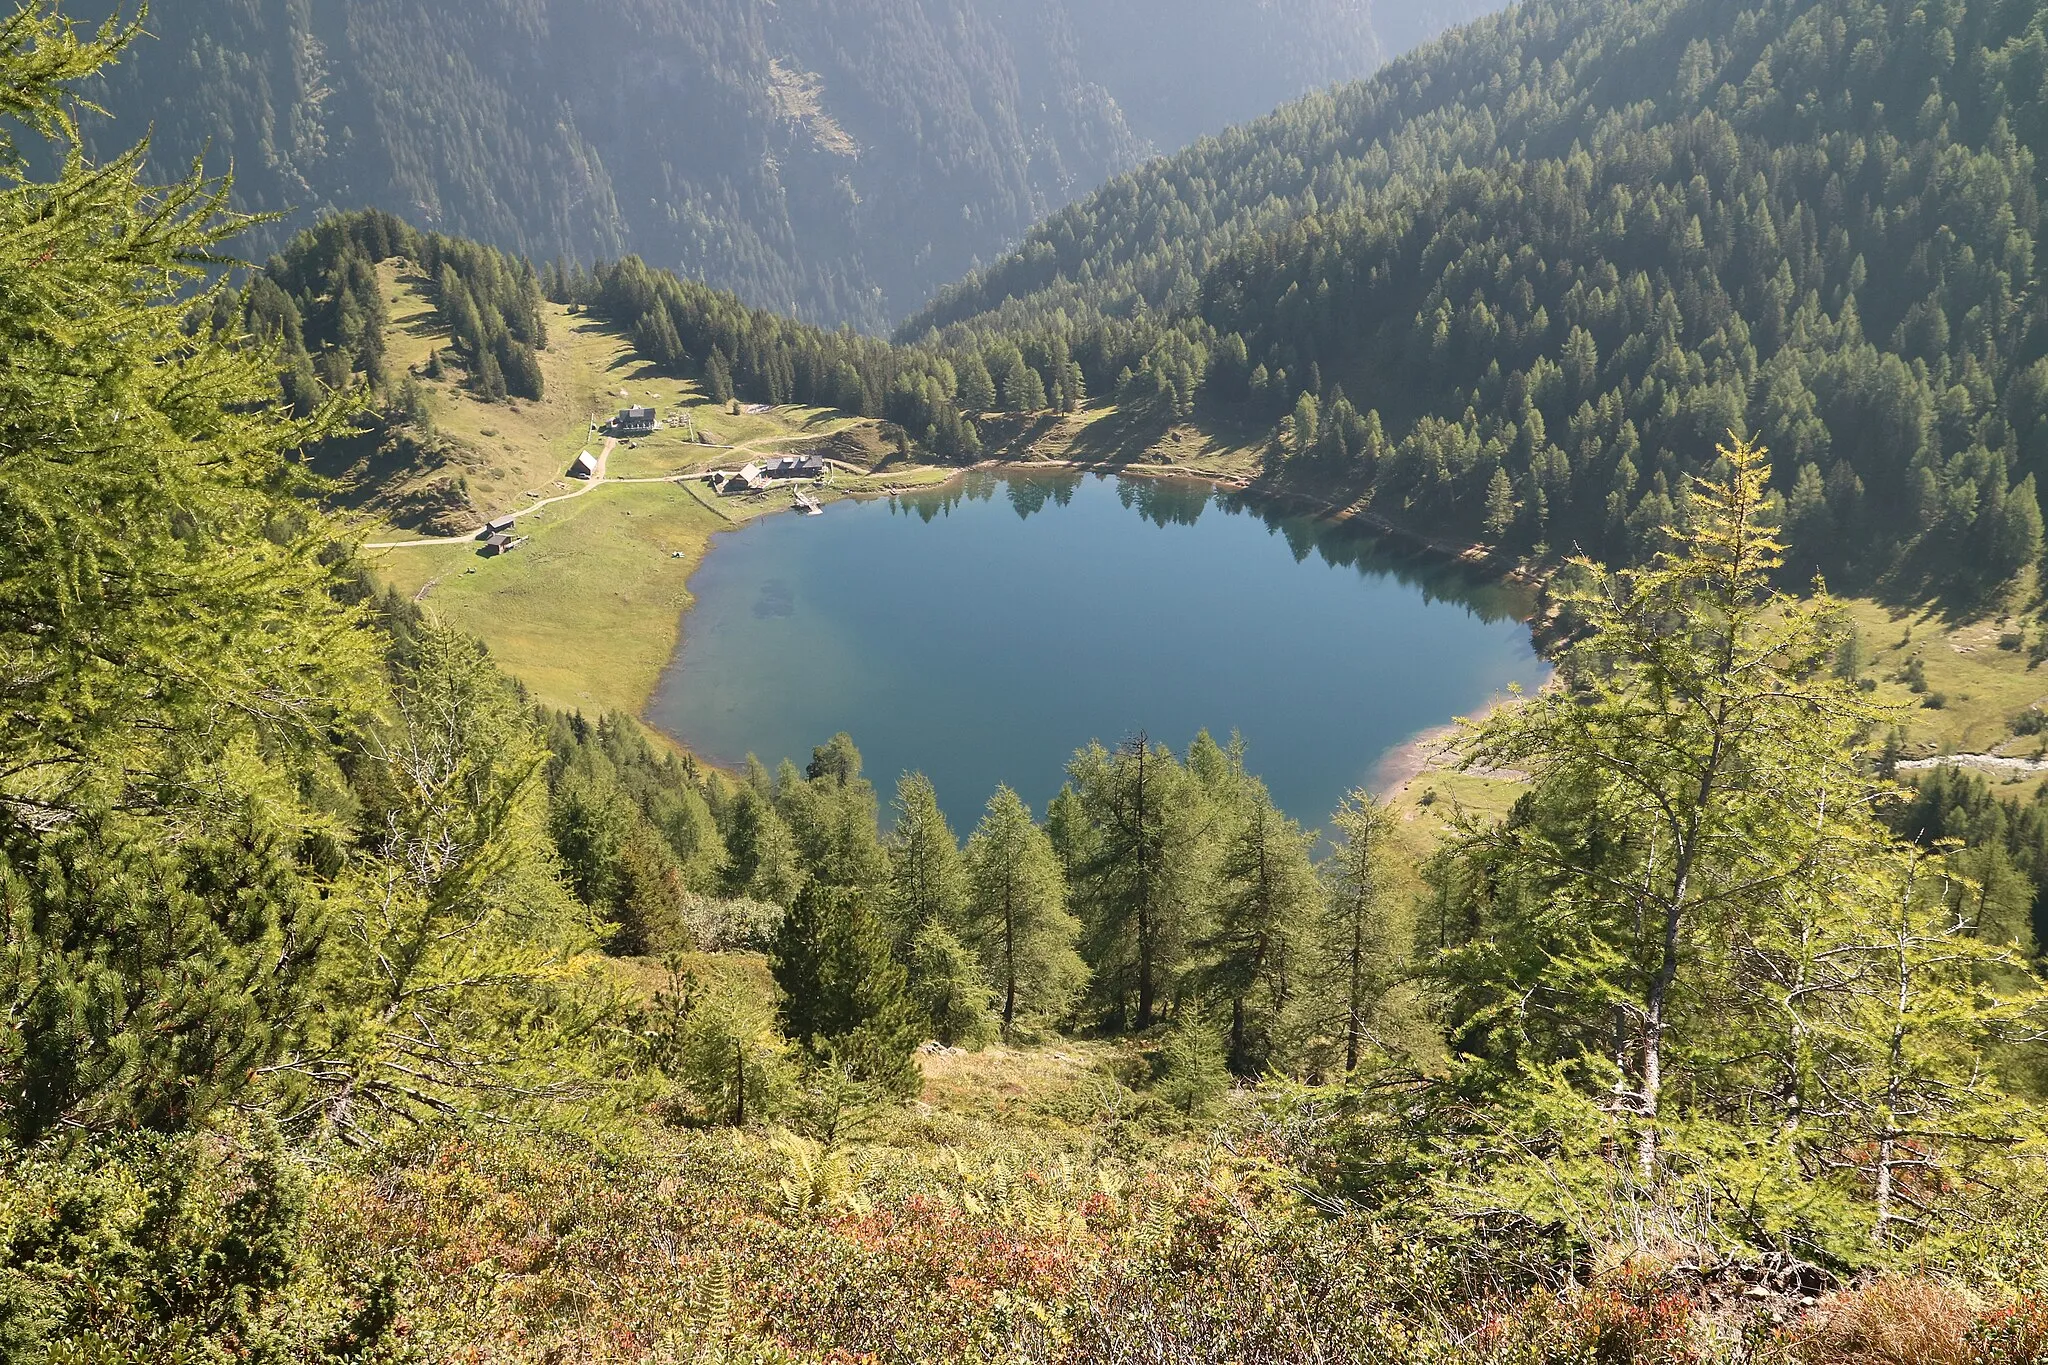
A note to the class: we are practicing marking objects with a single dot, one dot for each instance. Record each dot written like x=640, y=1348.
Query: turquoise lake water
x=983, y=632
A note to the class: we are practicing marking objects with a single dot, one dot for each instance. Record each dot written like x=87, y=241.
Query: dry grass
x=1892, y=1321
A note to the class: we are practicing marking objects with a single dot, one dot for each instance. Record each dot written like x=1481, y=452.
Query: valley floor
x=588, y=611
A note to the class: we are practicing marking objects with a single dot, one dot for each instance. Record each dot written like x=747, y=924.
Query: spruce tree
x=843, y=994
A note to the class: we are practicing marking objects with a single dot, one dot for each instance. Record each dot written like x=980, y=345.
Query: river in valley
x=981, y=632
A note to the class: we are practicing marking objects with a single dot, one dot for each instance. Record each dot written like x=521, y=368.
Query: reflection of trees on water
x=1166, y=502
x=1346, y=545
x=925, y=504
x=1030, y=492
x=1181, y=502
x=976, y=485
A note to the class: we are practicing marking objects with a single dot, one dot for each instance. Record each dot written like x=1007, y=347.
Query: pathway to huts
x=595, y=479
x=603, y=459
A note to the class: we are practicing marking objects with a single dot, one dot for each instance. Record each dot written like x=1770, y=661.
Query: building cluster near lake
x=753, y=477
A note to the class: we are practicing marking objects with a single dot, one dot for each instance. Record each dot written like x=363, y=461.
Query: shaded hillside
x=834, y=159
x=1524, y=279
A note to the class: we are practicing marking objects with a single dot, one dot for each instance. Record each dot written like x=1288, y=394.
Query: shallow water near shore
x=982, y=632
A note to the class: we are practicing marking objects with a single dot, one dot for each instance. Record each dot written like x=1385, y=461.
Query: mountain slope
x=1525, y=279
x=835, y=159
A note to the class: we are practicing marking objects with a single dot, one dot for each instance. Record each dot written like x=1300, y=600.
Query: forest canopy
x=1518, y=283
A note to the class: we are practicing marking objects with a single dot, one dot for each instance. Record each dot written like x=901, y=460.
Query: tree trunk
x=1237, y=1036
x=1145, y=985
x=1354, y=1021
x=1009, y=959
x=739, y=1084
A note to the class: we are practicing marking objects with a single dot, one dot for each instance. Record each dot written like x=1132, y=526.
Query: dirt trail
x=603, y=460
x=1989, y=763
x=598, y=479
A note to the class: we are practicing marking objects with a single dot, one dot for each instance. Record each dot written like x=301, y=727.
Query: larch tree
x=1354, y=945
x=1683, y=775
x=173, y=651
x=1267, y=903
x=1145, y=880
x=1018, y=914
x=1915, y=1094
x=833, y=815
x=761, y=856
x=452, y=947
x=1073, y=838
x=927, y=881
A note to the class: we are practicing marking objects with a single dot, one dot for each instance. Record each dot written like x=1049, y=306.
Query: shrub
x=1188, y=1072
x=172, y=1251
x=1895, y=1320
x=2016, y=1334
x=1632, y=1319
x=730, y=926
x=718, y=1043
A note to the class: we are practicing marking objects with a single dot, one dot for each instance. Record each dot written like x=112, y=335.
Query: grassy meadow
x=587, y=613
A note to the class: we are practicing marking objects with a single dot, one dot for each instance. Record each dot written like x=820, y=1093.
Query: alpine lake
x=981, y=632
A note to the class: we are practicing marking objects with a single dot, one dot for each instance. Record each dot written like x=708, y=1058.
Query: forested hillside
x=1519, y=282
x=321, y=301
x=833, y=161
x=355, y=1008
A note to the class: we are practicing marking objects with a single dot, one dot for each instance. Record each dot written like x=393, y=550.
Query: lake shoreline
x=1401, y=765
x=1508, y=603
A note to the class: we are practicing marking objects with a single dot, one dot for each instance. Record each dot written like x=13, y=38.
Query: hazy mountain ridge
x=836, y=159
